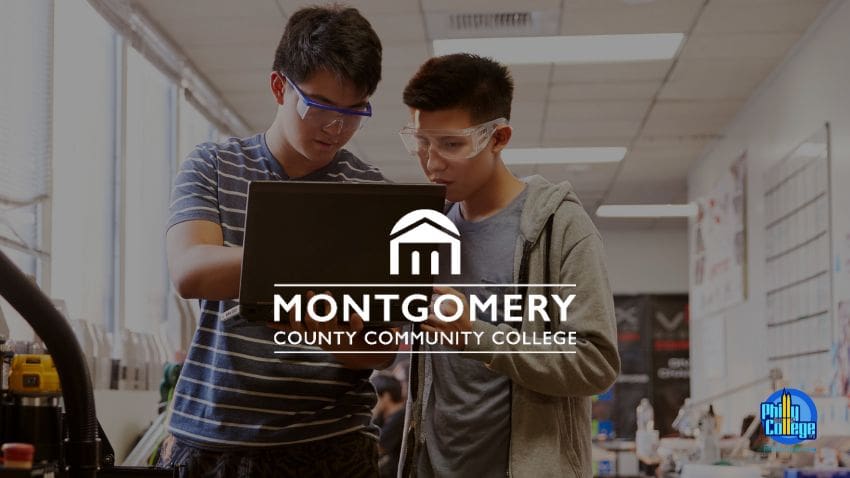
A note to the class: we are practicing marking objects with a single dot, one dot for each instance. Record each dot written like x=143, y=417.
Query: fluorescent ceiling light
x=647, y=210
x=567, y=49
x=562, y=155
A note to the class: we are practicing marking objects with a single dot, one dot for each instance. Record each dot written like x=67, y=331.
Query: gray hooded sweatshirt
x=550, y=393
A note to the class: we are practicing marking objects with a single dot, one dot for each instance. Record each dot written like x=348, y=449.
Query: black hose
x=81, y=451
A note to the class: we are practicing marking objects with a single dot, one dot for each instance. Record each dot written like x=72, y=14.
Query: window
x=195, y=129
x=84, y=124
x=150, y=151
x=25, y=93
x=91, y=133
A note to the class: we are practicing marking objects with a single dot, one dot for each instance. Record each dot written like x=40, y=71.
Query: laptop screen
x=339, y=237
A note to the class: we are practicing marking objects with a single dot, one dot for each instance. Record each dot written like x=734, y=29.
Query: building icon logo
x=789, y=416
x=424, y=226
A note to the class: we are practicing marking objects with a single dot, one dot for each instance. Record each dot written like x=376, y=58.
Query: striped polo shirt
x=233, y=390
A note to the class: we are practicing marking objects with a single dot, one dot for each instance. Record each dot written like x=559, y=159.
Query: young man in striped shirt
x=238, y=409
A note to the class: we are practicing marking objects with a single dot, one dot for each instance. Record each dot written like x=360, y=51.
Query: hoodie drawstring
x=524, y=266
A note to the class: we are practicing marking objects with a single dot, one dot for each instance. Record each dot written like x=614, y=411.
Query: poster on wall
x=634, y=340
x=718, y=249
x=671, y=380
x=653, y=341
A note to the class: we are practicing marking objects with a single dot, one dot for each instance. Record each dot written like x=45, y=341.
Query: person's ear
x=501, y=138
x=277, y=82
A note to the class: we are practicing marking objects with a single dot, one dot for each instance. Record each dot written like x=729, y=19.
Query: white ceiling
x=665, y=112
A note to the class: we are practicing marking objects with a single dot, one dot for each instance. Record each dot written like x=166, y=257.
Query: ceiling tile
x=669, y=146
x=604, y=91
x=654, y=70
x=397, y=28
x=229, y=58
x=531, y=74
x=606, y=17
x=370, y=8
x=633, y=110
x=648, y=168
x=475, y=6
x=716, y=78
x=568, y=133
x=202, y=10
x=779, y=16
x=738, y=45
x=601, y=139
x=670, y=118
x=589, y=179
x=687, y=69
x=259, y=35
x=642, y=192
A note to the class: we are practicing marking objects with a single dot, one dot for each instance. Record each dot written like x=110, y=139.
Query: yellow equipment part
x=34, y=374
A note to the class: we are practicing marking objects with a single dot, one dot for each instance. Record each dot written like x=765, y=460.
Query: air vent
x=490, y=21
x=500, y=24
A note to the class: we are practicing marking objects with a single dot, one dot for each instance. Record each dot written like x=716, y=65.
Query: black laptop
x=335, y=237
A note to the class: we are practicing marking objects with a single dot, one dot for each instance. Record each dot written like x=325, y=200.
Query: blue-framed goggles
x=324, y=116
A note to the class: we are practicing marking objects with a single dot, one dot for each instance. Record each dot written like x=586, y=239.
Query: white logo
x=669, y=324
x=424, y=226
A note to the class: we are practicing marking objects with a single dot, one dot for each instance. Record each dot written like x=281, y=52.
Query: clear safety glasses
x=449, y=144
x=324, y=116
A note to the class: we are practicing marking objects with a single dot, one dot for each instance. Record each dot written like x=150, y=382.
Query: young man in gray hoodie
x=495, y=409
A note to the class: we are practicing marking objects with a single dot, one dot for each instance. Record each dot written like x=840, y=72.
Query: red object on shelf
x=18, y=455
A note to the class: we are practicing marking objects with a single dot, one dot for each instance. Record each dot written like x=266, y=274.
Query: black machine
x=337, y=235
x=70, y=442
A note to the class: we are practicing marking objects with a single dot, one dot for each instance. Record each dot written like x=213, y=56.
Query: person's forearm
x=208, y=272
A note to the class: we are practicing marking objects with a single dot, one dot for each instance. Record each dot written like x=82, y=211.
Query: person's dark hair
x=387, y=384
x=479, y=85
x=335, y=38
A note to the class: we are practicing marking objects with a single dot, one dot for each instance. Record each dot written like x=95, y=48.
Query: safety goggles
x=449, y=144
x=326, y=116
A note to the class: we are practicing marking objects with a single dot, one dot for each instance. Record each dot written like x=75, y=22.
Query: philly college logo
x=789, y=416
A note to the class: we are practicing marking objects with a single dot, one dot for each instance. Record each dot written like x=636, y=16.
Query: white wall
x=810, y=88
x=647, y=261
